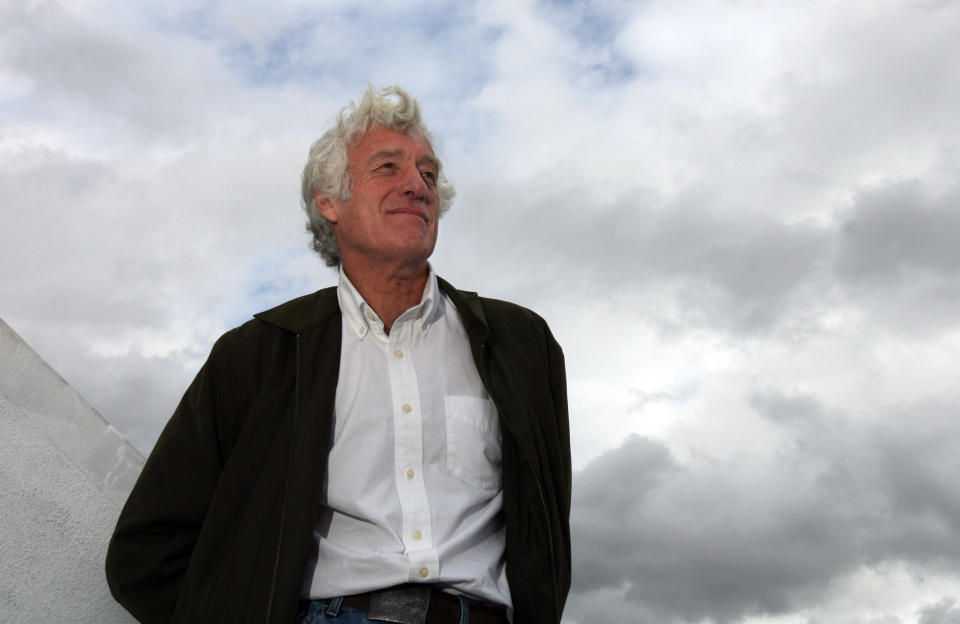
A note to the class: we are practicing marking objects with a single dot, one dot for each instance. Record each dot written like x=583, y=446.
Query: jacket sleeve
x=558, y=386
x=563, y=469
x=154, y=538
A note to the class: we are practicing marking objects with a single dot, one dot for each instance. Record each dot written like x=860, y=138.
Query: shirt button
x=407, y=408
x=363, y=330
x=409, y=473
x=424, y=572
x=417, y=534
x=399, y=354
x=371, y=315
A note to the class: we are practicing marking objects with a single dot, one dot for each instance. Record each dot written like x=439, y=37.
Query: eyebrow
x=388, y=153
x=426, y=159
x=431, y=160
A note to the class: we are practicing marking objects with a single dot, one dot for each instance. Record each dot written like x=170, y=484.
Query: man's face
x=394, y=205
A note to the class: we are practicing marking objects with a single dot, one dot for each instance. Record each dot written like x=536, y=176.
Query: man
x=392, y=449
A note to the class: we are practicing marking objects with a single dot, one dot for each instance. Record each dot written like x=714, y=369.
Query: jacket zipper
x=543, y=500
x=283, y=506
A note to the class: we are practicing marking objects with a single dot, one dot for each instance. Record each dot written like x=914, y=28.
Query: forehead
x=384, y=140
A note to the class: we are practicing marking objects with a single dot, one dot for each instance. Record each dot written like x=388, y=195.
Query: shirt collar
x=362, y=319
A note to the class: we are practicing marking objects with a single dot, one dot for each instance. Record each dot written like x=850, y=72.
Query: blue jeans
x=333, y=612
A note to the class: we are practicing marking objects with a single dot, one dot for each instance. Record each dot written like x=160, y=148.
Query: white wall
x=64, y=474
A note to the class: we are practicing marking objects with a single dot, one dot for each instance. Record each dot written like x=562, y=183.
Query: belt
x=441, y=608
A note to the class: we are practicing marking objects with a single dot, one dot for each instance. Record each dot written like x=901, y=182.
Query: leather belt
x=398, y=603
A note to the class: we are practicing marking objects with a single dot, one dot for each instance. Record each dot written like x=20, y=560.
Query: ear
x=327, y=208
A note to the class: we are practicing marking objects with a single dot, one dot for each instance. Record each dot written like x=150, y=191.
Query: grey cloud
x=874, y=100
x=946, y=611
x=849, y=118
x=721, y=266
x=724, y=539
x=604, y=487
x=737, y=266
x=897, y=255
x=895, y=232
x=136, y=394
x=65, y=263
x=51, y=175
x=129, y=81
x=606, y=605
x=893, y=253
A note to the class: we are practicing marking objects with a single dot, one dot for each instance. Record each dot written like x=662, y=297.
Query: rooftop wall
x=64, y=475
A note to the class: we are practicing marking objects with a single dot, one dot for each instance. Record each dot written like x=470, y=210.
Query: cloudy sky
x=740, y=219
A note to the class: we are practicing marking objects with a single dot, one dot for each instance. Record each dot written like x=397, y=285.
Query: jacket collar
x=303, y=313
x=470, y=307
x=310, y=311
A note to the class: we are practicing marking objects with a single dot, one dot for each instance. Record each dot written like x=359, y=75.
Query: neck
x=390, y=291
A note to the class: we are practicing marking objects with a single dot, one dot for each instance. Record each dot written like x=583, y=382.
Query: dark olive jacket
x=219, y=526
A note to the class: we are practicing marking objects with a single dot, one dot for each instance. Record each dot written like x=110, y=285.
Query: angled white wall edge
x=64, y=475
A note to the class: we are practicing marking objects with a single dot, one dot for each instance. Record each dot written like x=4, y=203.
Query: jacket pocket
x=473, y=442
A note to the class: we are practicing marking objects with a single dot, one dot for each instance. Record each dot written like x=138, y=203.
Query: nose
x=413, y=184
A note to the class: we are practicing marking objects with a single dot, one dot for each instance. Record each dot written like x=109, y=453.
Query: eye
x=429, y=176
x=387, y=165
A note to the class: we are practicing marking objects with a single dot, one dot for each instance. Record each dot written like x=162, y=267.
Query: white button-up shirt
x=413, y=489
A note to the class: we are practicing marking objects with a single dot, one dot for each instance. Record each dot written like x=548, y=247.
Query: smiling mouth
x=411, y=212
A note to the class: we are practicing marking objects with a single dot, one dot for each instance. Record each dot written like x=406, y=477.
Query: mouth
x=411, y=211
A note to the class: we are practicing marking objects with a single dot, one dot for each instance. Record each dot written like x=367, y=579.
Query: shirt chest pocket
x=473, y=452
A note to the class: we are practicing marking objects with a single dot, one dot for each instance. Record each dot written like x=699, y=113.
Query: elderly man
x=389, y=450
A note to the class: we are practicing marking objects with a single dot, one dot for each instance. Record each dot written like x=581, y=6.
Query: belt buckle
x=405, y=605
